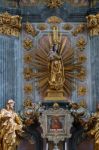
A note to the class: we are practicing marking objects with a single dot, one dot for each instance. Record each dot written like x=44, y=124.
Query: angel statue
x=10, y=127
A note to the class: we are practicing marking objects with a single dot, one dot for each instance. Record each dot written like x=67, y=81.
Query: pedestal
x=55, y=95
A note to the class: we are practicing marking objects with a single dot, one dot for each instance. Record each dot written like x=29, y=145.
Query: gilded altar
x=49, y=63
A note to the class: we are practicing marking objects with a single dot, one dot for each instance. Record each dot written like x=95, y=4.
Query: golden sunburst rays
x=69, y=62
x=71, y=68
x=41, y=64
x=44, y=44
x=62, y=48
x=68, y=87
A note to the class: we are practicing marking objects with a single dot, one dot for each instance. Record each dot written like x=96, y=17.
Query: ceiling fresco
x=28, y=3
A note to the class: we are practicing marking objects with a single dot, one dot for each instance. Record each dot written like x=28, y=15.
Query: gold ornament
x=55, y=106
x=10, y=25
x=93, y=24
x=28, y=88
x=54, y=19
x=81, y=43
x=27, y=43
x=28, y=73
x=28, y=58
x=82, y=58
x=30, y=29
x=67, y=26
x=83, y=103
x=82, y=90
x=82, y=74
x=28, y=102
x=79, y=29
x=42, y=26
x=54, y=3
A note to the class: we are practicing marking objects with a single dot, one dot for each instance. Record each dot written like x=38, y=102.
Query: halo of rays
x=71, y=66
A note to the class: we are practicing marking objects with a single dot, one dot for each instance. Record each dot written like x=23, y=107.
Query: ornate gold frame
x=56, y=136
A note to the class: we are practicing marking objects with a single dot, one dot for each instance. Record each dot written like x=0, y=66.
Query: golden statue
x=56, y=80
x=56, y=68
x=95, y=130
x=10, y=127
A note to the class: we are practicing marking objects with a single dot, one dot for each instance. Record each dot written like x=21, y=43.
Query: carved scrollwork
x=10, y=25
x=30, y=29
x=93, y=24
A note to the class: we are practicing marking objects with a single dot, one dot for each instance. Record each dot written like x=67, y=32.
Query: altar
x=49, y=77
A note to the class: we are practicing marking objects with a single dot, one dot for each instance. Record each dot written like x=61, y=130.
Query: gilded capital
x=93, y=24
x=10, y=25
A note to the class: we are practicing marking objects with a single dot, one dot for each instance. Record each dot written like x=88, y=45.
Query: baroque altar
x=56, y=71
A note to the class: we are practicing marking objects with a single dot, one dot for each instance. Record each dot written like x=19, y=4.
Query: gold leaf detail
x=28, y=88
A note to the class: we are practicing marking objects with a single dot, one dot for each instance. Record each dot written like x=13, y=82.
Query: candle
x=65, y=145
x=46, y=146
